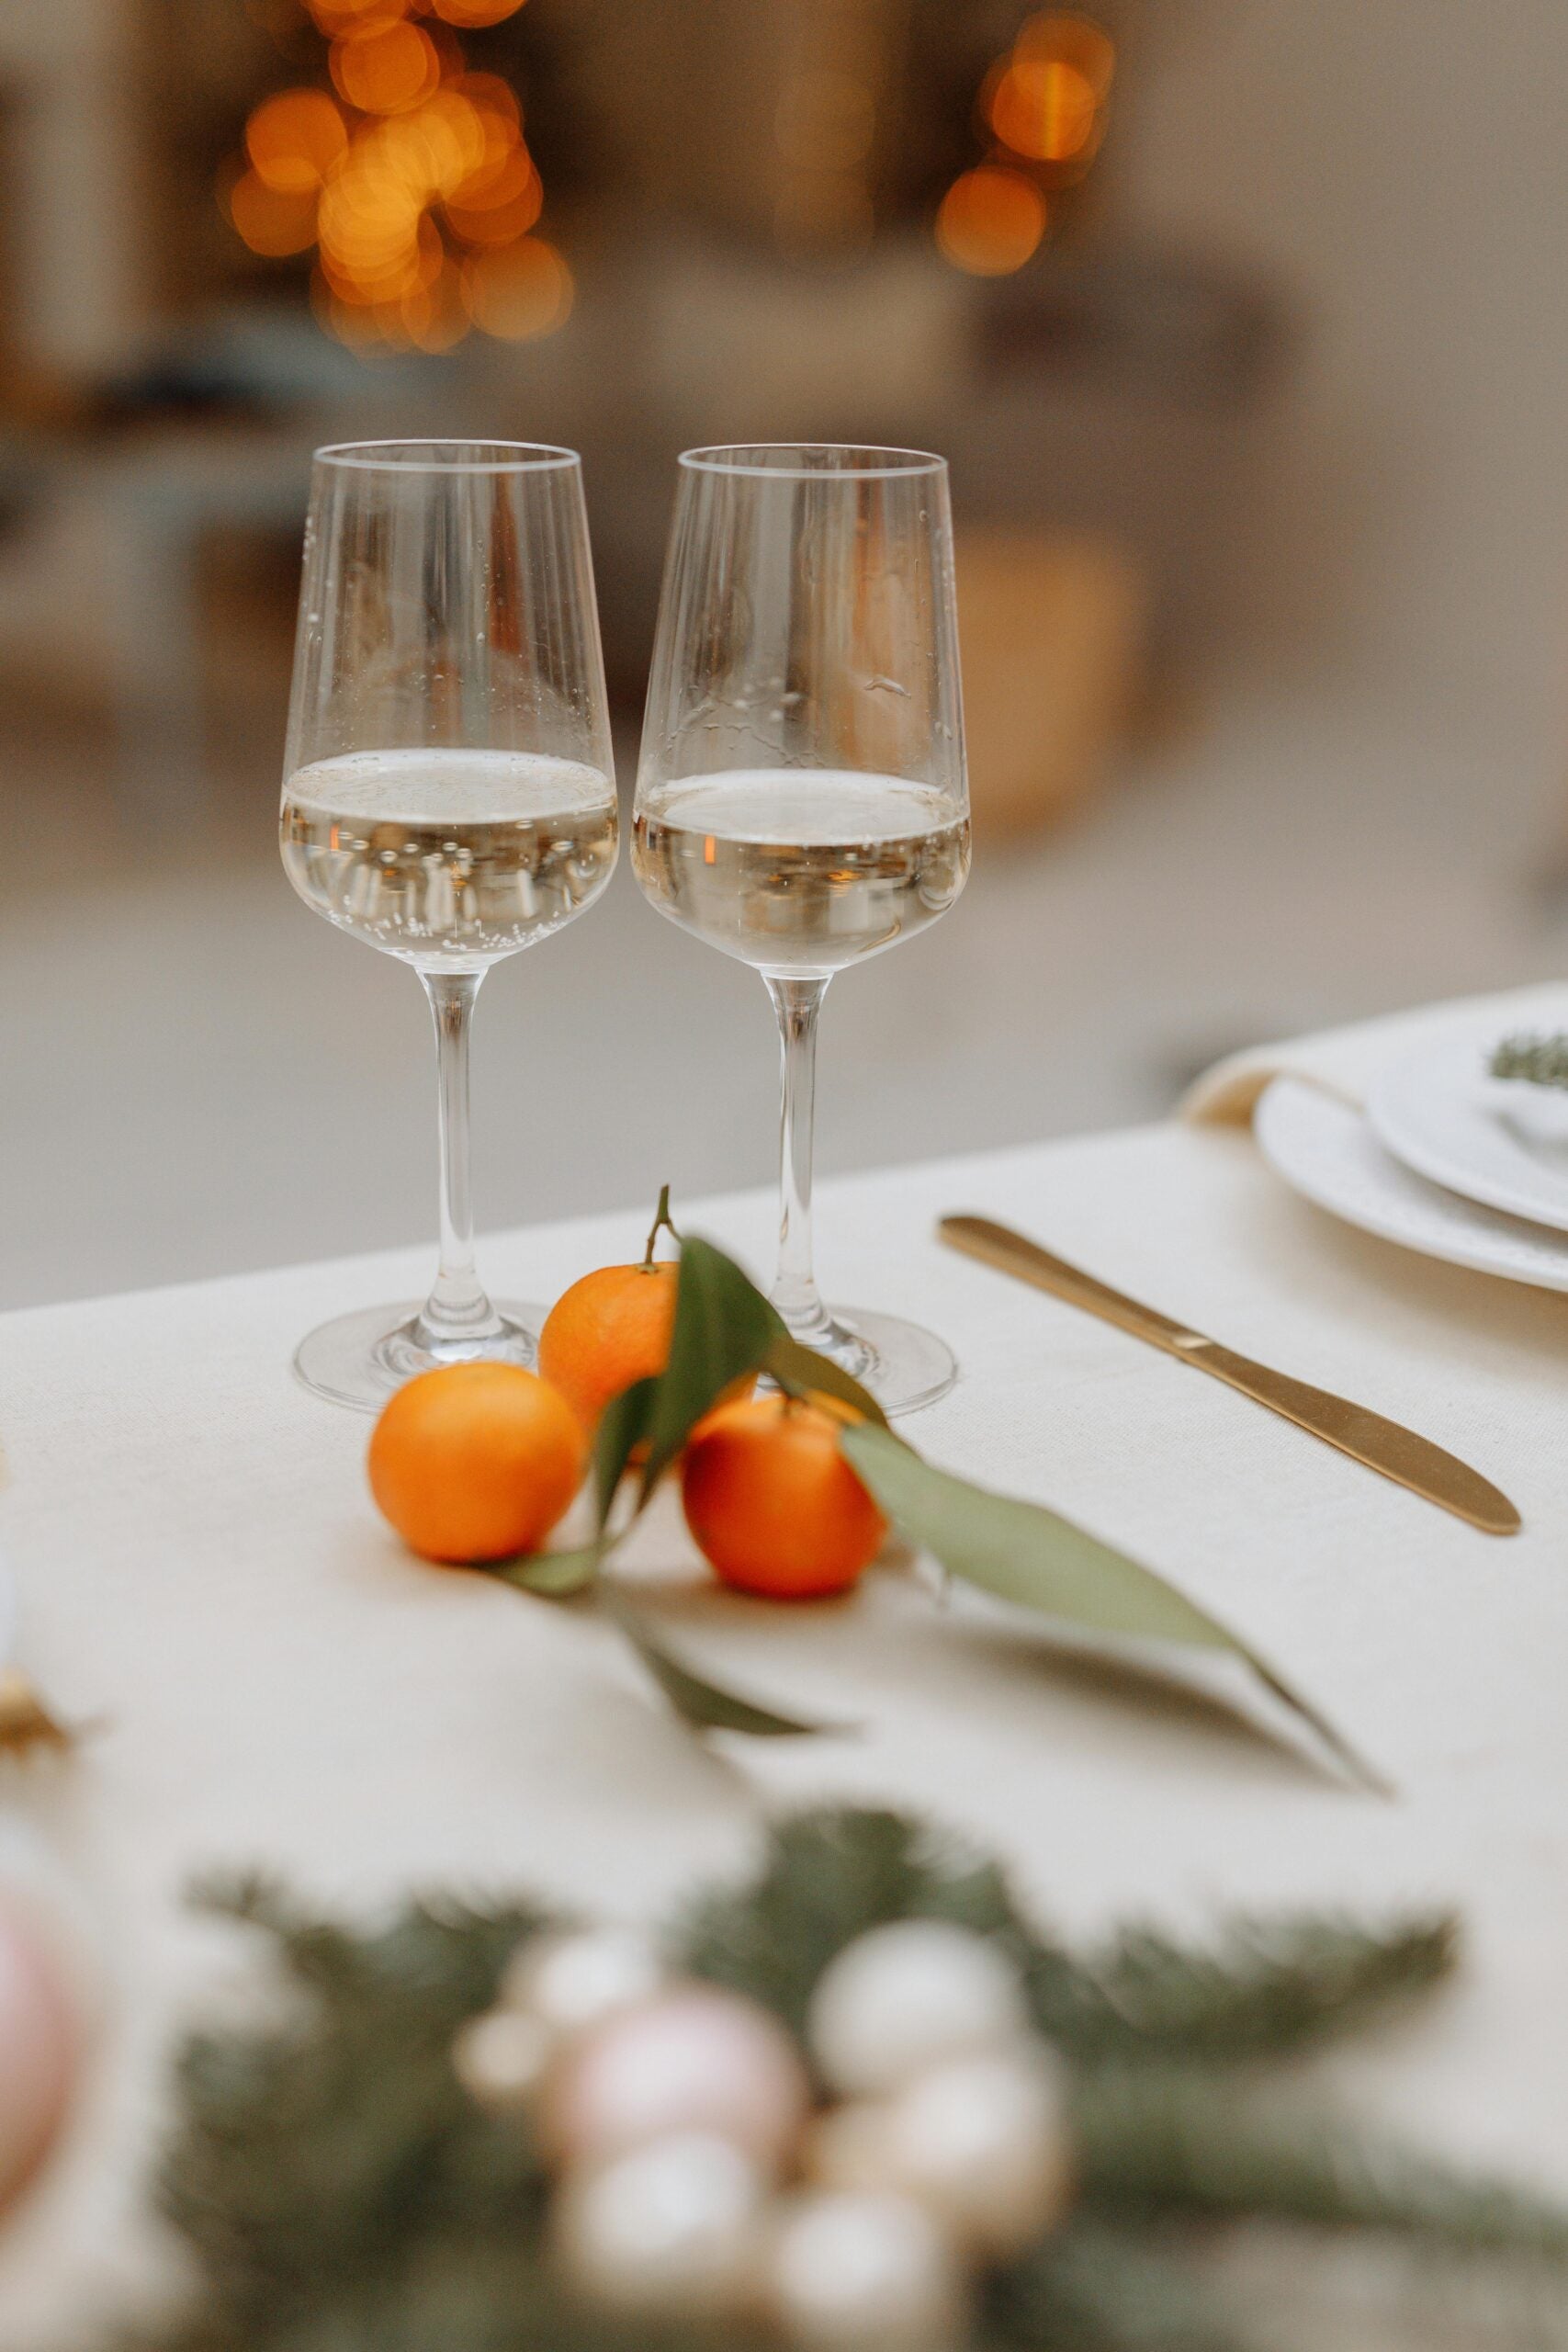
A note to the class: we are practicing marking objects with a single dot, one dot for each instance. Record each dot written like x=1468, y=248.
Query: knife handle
x=980, y=1236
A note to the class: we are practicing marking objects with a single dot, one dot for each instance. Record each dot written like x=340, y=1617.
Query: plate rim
x=1474, y=1256
x=1451, y=1175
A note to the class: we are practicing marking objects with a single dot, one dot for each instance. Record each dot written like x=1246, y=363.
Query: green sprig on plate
x=1538, y=1059
x=725, y=1332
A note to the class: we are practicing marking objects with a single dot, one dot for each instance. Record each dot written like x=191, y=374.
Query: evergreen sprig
x=338, y=2192
x=1542, y=1060
x=1161, y=2140
x=1263, y=1989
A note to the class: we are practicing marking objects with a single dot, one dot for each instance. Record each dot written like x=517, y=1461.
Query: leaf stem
x=663, y=1222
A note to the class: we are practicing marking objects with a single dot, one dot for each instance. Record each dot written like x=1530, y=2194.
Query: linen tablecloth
x=280, y=1683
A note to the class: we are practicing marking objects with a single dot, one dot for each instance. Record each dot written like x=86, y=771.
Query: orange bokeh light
x=503, y=207
x=390, y=275
x=386, y=70
x=517, y=292
x=271, y=221
x=1071, y=40
x=489, y=92
x=1045, y=109
x=428, y=153
x=368, y=222
x=294, y=140
x=505, y=164
x=413, y=183
x=435, y=317
x=991, y=220
x=337, y=16
x=471, y=14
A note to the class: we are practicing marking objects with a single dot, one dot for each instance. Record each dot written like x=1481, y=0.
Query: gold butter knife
x=1399, y=1454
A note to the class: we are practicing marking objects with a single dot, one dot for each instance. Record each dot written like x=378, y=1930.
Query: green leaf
x=799, y=1370
x=1038, y=1560
x=1025, y=1553
x=554, y=1576
x=708, y=1706
x=622, y=1426
x=723, y=1328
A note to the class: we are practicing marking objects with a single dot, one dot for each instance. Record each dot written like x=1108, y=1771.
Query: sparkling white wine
x=800, y=870
x=450, y=859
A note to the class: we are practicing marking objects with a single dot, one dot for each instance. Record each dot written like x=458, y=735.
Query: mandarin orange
x=476, y=1460
x=772, y=1502
x=610, y=1329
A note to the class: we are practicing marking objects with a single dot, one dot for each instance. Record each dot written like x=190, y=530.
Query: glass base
x=359, y=1360
x=904, y=1365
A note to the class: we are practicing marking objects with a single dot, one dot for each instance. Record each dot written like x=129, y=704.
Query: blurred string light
x=1043, y=108
x=410, y=178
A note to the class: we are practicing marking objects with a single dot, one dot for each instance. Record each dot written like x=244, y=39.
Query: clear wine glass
x=448, y=790
x=802, y=796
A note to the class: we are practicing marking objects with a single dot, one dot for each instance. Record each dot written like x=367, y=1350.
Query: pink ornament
x=693, y=2059
x=39, y=2050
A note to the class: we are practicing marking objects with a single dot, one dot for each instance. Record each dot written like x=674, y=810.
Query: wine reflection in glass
x=448, y=789
x=802, y=795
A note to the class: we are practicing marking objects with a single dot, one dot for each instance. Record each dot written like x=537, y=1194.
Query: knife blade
x=1367, y=1437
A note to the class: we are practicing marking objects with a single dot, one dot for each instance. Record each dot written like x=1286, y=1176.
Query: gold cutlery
x=26, y=1723
x=1383, y=1445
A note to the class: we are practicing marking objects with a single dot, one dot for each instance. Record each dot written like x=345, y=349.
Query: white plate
x=1498, y=1141
x=1326, y=1149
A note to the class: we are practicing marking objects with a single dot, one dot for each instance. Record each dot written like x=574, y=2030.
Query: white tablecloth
x=200, y=1565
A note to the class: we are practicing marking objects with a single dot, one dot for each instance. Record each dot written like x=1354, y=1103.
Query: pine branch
x=1543, y=1060
x=1099, y=2289
x=312, y=2149
x=1162, y=2142
x=339, y=2193
x=827, y=1877
x=1267, y=1988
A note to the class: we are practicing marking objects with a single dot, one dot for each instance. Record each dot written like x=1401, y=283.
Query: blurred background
x=1242, y=322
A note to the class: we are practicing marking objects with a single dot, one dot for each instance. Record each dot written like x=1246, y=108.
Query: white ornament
x=982, y=2142
x=846, y=2147
x=41, y=2047
x=693, y=2059
x=907, y=1996
x=499, y=2058
x=573, y=1980
x=668, y=2230
x=864, y=2273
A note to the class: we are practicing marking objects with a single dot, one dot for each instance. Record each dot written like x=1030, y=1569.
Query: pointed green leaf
x=723, y=1328
x=622, y=1426
x=800, y=1370
x=1033, y=1557
x=554, y=1576
x=1024, y=1553
x=708, y=1706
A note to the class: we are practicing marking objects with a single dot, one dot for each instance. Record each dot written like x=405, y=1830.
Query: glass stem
x=795, y=1293
x=456, y=1309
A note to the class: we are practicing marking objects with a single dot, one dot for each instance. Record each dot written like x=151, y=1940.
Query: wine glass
x=802, y=799
x=448, y=790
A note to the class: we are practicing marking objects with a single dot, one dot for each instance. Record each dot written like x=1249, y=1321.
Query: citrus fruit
x=773, y=1505
x=610, y=1329
x=614, y=1328
x=476, y=1460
